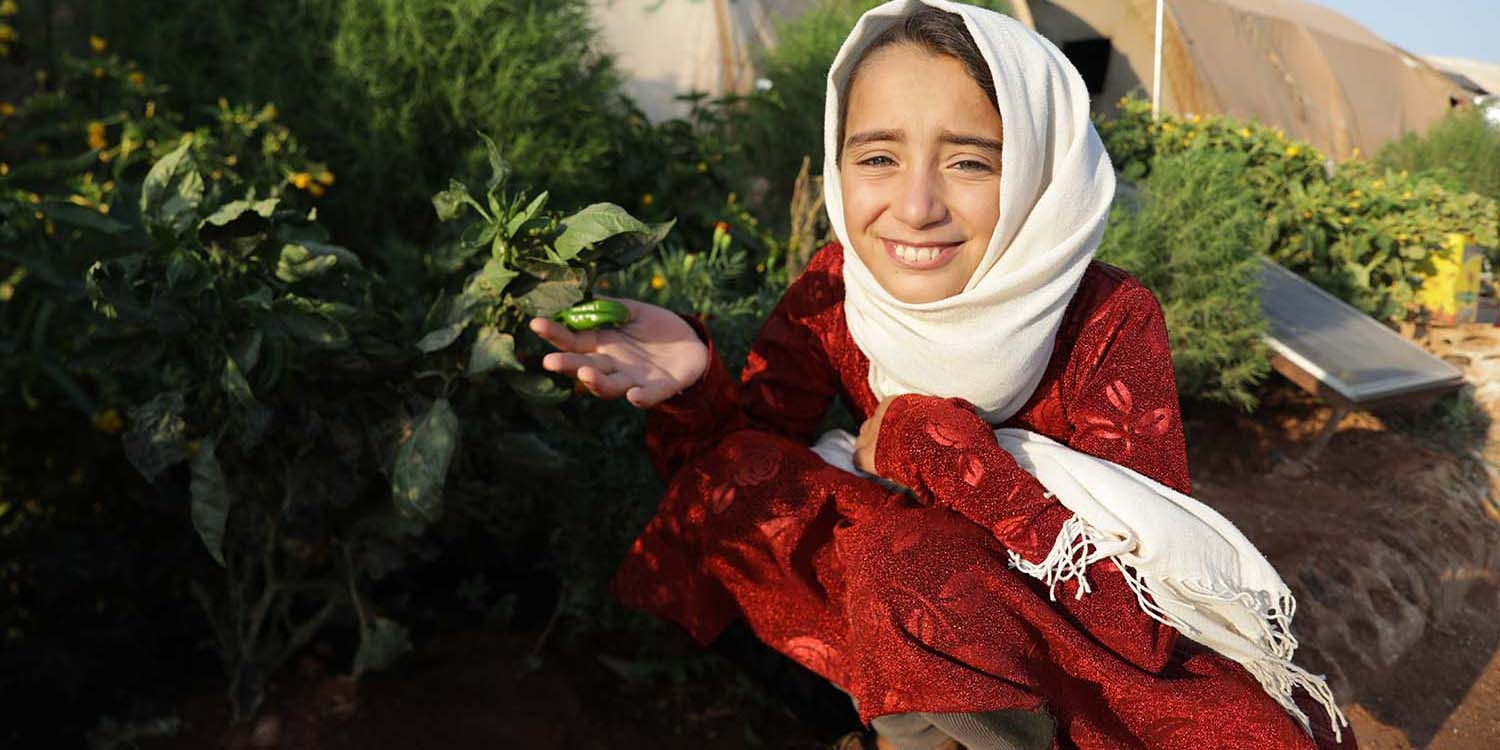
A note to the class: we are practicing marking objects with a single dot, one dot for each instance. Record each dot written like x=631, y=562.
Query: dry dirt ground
x=1390, y=540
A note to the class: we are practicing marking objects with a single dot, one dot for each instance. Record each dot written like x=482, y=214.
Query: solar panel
x=1344, y=349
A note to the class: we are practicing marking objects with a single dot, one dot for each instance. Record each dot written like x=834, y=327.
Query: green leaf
x=157, y=436
x=624, y=250
x=51, y=169
x=493, y=349
x=246, y=352
x=499, y=170
x=164, y=172
x=233, y=210
x=440, y=338
x=550, y=297
x=530, y=212
x=548, y=271
x=450, y=202
x=592, y=225
x=380, y=645
x=83, y=218
x=488, y=283
x=538, y=388
x=211, y=499
x=297, y=263
x=235, y=385
x=311, y=322
x=422, y=464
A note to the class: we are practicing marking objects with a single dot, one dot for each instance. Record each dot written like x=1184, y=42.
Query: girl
x=926, y=567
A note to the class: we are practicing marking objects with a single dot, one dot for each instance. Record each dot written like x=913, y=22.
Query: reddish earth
x=1390, y=540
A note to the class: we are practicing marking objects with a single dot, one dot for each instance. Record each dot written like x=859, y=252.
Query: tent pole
x=1156, y=66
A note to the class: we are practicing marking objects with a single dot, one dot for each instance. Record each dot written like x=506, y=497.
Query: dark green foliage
x=1462, y=151
x=391, y=92
x=1194, y=242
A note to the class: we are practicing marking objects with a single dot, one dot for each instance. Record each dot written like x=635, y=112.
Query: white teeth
x=916, y=254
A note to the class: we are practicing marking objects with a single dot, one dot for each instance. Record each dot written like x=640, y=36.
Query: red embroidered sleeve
x=1121, y=397
x=786, y=386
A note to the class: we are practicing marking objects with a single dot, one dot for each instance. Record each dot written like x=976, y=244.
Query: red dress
x=909, y=604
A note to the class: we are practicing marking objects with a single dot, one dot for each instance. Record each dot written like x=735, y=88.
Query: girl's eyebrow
x=897, y=136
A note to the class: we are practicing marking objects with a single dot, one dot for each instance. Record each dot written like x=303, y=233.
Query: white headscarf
x=991, y=342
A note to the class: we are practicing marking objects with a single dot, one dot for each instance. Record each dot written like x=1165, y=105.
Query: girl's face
x=920, y=172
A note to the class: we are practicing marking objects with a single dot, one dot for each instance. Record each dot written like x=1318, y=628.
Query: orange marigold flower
x=98, y=44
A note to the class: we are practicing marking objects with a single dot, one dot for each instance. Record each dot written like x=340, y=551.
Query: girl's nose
x=920, y=202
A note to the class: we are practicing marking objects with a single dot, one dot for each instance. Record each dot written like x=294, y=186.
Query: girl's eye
x=973, y=165
x=877, y=161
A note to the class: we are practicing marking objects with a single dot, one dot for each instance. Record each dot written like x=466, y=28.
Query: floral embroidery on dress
x=757, y=467
x=1125, y=425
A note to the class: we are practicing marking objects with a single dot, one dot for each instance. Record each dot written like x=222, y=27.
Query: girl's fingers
x=605, y=385
x=568, y=363
x=558, y=335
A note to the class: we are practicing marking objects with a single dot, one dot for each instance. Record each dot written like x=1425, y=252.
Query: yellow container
x=1451, y=293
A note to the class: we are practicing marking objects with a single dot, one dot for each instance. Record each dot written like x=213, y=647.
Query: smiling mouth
x=923, y=256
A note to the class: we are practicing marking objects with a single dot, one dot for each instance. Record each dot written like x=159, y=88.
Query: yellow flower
x=702, y=167
x=1406, y=195
x=137, y=78
x=760, y=268
x=325, y=177
x=1400, y=238
x=98, y=45
x=268, y=112
x=657, y=282
x=96, y=135
x=1355, y=153
x=7, y=290
x=108, y=421
x=1307, y=214
x=7, y=34
x=98, y=72
x=8, y=8
x=1292, y=150
x=50, y=228
x=4, y=169
x=150, y=110
x=1379, y=184
x=1354, y=193
x=1244, y=132
x=79, y=200
x=647, y=199
x=103, y=208
x=231, y=160
x=300, y=180
x=1355, y=205
x=215, y=175
x=1195, y=119
x=7, y=109
x=1345, y=220
x=316, y=190
x=35, y=198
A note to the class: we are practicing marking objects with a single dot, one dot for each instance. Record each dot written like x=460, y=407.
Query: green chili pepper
x=593, y=314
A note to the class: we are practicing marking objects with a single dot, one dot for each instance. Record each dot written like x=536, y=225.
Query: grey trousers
x=1011, y=729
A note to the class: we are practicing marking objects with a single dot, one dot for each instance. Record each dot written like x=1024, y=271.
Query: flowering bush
x=1361, y=232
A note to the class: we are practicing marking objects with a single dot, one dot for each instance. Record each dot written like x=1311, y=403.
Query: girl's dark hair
x=937, y=32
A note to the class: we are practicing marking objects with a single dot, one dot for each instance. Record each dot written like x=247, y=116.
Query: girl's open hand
x=652, y=358
x=869, y=433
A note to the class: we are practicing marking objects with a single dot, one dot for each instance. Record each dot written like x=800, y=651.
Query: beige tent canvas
x=671, y=47
x=1316, y=74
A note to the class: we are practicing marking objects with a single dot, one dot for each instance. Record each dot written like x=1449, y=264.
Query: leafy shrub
x=223, y=314
x=1193, y=242
x=391, y=92
x=1361, y=233
x=1461, y=151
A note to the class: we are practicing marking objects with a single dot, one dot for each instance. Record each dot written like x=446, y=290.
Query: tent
x=1288, y=63
x=1480, y=77
x=671, y=47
